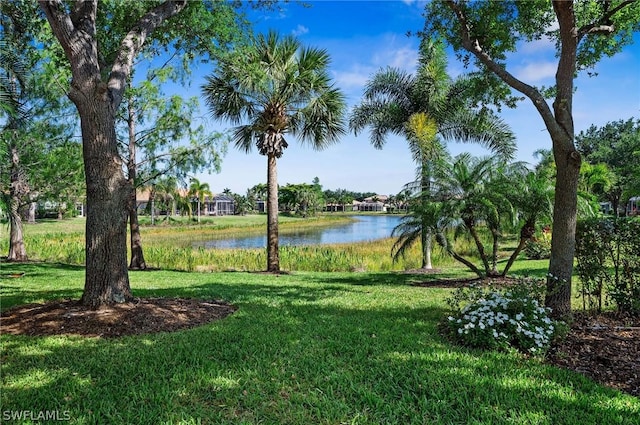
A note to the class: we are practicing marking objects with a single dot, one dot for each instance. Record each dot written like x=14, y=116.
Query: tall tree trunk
x=426, y=249
x=273, y=255
x=425, y=195
x=135, y=238
x=568, y=160
x=108, y=198
x=563, y=243
x=108, y=191
x=17, y=189
x=17, y=250
x=137, y=254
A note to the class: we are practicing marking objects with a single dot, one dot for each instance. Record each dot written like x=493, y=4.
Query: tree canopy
x=486, y=33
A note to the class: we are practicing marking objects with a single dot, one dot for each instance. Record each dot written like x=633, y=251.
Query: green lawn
x=303, y=348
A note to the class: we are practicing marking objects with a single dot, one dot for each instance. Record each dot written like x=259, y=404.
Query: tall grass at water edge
x=170, y=247
x=363, y=256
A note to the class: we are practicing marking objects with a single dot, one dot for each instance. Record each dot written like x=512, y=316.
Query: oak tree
x=484, y=33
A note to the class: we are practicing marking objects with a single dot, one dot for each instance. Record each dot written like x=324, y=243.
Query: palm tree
x=199, y=191
x=13, y=78
x=276, y=87
x=532, y=193
x=428, y=109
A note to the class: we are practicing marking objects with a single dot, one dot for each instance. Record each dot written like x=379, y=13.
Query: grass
x=303, y=348
x=170, y=246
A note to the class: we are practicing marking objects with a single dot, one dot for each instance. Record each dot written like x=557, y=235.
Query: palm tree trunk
x=444, y=243
x=479, y=245
x=31, y=214
x=494, y=252
x=426, y=249
x=273, y=256
x=425, y=194
x=17, y=189
x=526, y=233
x=17, y=250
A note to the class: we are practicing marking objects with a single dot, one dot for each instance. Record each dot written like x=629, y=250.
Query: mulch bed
x=143, y=316
x=604, y=347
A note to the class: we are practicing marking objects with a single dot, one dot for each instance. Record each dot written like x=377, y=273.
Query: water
x=364, y=228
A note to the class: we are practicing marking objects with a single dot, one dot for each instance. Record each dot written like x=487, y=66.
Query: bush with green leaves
x=502, y=319
x=608, y=262
x=538, y=248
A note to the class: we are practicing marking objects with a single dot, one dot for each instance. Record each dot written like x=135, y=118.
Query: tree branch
x=563, y=103
x=474, y=47
x=60, y=23
x=133, y=42
x=603, y=25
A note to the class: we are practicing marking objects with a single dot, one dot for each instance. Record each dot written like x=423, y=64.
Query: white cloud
x=353, y=79
x=544, y=45
x=300, y=30
x=404, y=58
x=536, y=72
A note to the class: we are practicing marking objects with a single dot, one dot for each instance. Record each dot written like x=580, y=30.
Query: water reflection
x=364, y=228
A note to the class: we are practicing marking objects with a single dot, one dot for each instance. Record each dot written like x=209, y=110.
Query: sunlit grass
x=303, y=348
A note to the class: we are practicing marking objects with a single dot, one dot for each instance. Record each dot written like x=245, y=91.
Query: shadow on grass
x=298, y=358
x=33, y=268
x=35, y=283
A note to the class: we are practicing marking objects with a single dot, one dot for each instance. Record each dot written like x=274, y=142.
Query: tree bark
x=137, y=255
x=108, y=191
x=273, y=255
x=563, y=243
x=17, y=189
x=17, y=249
x=567, y=159
x=108, y=199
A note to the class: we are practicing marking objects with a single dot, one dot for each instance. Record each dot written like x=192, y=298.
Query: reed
x=170, y=247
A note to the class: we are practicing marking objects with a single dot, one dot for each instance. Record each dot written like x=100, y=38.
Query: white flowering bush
x=501, y=319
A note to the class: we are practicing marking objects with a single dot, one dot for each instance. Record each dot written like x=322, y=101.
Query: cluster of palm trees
x=278, y=87
x=481, y=200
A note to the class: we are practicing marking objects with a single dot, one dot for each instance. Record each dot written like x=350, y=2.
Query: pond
x=363, y=228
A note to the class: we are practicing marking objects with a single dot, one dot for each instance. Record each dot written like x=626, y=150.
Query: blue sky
x=363, y=37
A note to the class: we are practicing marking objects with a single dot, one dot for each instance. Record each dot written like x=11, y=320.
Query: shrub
x=538, y=248
x=504, y=319
x=608, y=260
